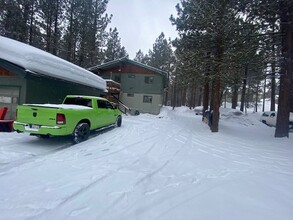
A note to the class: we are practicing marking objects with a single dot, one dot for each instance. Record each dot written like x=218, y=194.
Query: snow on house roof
x=126, y=60
x=43, y=63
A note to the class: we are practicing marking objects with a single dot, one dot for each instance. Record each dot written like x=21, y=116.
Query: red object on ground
x=5, y=125
x=3, y=112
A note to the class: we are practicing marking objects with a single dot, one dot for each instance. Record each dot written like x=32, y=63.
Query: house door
x=9, y=97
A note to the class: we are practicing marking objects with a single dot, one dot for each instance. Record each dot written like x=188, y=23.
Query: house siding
x=136, y=102
x=138, y=85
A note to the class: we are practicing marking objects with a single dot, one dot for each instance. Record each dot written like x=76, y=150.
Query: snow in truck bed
x=61, y=106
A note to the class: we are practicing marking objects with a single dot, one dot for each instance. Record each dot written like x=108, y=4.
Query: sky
x=140, y=22
x=168, y=167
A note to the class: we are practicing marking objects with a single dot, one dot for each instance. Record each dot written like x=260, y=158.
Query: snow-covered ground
x=167, y=167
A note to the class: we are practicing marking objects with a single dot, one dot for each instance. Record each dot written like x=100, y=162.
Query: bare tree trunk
x=56, y=29
x=206, y=92
x=69, y=47
x=199, y=99
x=234, y=96
x=32, y=12
x=282, y=127
x=193, y=96
x=216, y=96
x=212, y=95
x=264, y=95
x=256, y=97
x=273, y=79
x=166, y=96
x=216, y=88
x=173, y=99
x=183, y=97
x=244, y=89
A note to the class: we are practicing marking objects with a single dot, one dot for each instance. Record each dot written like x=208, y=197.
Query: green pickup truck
x=77, y=116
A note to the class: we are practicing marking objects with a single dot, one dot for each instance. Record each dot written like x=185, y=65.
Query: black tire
x=43, y=136
x=118, y=121
x=81, y=133
x=290, y=126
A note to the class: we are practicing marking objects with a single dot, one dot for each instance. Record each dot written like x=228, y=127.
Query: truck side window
x=109, y=105
x=101, y=104
x=78, y=101
x=105, y=104
x=89, y=104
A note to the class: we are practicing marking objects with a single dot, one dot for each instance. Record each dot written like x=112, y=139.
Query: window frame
x=147, y=99
x=106, y=104
x=149, y=79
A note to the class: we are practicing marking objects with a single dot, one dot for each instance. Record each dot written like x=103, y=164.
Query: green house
x=142, y=87
x=30, y=75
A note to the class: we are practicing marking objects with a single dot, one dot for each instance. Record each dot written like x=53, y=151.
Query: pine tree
x=17, y=20
x=140, y=57
x=210, y=47
x=286, y=79
x=51, y=14
x=161, y=55
x=114, y=50
x=276, y=19
x=92, y=34
x=70, y=38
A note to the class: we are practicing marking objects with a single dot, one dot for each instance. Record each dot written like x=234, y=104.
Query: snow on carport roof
x=43, y=63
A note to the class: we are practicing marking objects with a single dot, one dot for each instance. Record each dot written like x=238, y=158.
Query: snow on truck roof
x=40, y=62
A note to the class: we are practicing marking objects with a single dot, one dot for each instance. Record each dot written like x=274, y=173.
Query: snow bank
x=41, y=62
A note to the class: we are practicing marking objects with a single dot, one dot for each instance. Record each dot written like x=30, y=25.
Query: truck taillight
x=60, y=119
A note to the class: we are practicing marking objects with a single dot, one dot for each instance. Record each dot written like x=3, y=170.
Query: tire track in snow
x=92, y=184
x=151, y=139
x=69, y=199
x=6, y=168
x=152, y=173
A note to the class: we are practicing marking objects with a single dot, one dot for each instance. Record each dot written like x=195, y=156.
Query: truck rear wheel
x=119, y=121
x=81, y=133
x=43, y=136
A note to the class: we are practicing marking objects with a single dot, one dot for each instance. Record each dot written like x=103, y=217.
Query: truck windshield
x=78, y=101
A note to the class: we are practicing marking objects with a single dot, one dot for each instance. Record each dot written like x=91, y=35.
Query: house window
x=117, y=78
x=149, y=79
x=147, y=99
x=130, y=95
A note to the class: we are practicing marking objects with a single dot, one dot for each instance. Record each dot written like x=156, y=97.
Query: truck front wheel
x=81, y=133
x=119, y=121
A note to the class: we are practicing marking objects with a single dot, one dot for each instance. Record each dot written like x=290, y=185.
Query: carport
x=30, y=75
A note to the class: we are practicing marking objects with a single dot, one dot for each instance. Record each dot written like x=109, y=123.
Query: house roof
x=125, y=60
x=39, y=62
